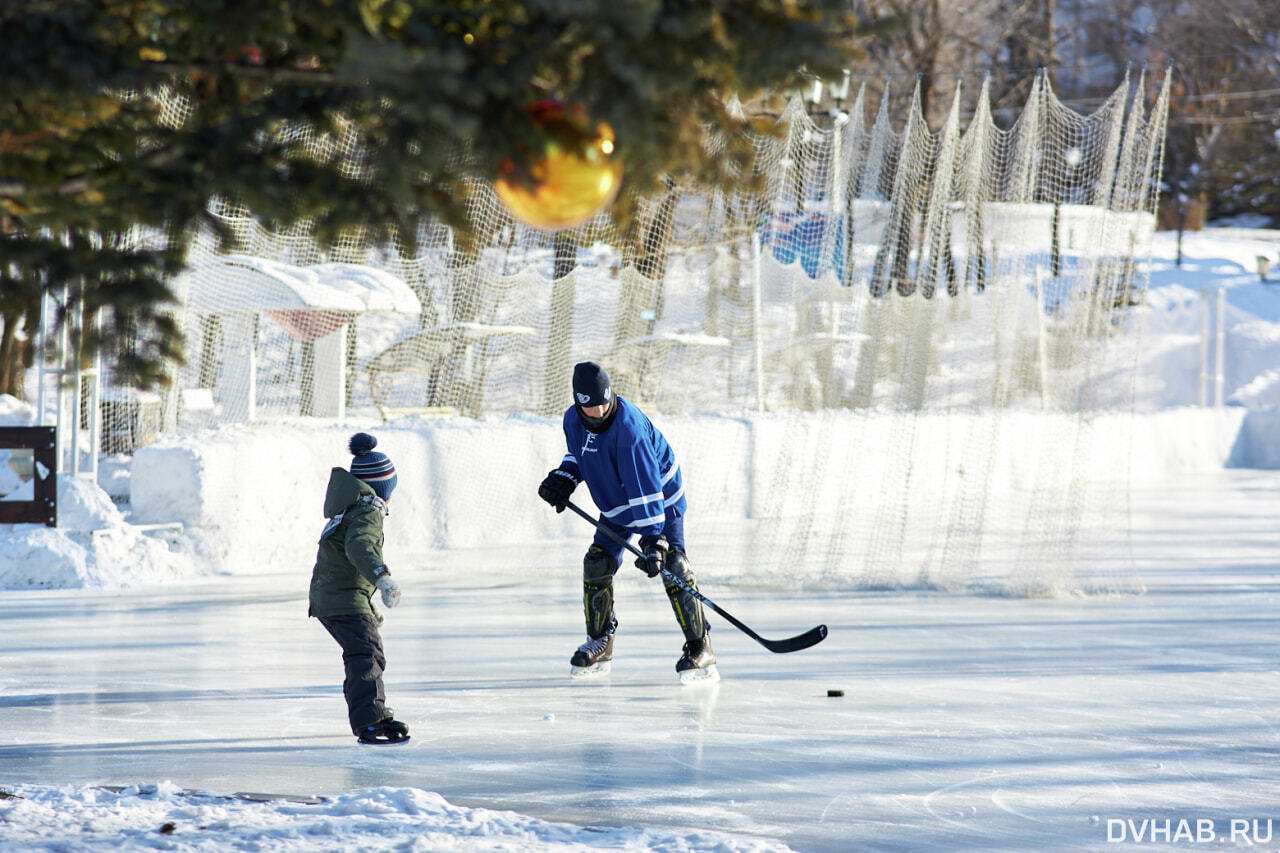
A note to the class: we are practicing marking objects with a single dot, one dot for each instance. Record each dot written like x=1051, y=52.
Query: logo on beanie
x=591, y=385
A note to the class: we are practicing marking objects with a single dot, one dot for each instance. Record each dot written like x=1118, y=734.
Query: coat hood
x=344, y=490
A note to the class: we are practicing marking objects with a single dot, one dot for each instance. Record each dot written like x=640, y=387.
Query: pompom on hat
x=371, y=466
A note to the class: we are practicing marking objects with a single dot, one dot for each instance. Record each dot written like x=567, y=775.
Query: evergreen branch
x=11, y=189
x=261, y=73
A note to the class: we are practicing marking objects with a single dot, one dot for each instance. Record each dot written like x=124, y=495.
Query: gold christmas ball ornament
x=570, y=180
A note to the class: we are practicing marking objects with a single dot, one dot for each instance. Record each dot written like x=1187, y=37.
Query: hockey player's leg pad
x=688, y=609
x=598, y=569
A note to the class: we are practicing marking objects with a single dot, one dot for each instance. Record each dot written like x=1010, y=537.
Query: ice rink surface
x=966, y=722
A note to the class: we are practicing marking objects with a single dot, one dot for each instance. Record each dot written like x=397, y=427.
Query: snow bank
x=249, y=497
x=14, y=412
x=166, y=817
x=252, y=496
x=1258, y=445
x=92, y=546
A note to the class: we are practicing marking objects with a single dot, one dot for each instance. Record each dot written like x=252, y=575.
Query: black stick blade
x=809, y=638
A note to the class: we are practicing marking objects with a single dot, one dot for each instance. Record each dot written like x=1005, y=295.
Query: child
x=349, y=569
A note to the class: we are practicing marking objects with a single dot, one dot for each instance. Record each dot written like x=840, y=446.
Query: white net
x=927, y=334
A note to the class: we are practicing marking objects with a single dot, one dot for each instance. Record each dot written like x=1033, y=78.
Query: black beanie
x=591, y=385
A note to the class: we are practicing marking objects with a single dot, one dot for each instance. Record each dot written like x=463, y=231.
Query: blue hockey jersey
x=629, y=468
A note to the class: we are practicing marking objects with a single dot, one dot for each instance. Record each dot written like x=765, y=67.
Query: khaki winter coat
x=343, y=579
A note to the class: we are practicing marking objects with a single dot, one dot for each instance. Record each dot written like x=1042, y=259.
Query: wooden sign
x=42, y=441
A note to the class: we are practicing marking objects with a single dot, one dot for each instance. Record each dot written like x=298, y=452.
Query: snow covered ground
x=148, y=678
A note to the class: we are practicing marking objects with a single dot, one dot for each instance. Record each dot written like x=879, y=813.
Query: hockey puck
x=835, y=692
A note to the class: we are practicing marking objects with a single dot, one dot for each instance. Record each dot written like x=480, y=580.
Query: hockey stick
x=809, y=638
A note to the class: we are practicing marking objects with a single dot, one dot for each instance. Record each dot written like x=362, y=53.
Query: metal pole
x=42, y=349
x=72, y=445
x=94, y=394
x=1042, y=340
x=1219, y=375
x=1202, y=388
x=757, y=303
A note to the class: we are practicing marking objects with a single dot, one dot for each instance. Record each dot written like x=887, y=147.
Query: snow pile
x=1174, y=308
x=252, y=496
x=165, y=817
x=93, y=544
x=14, y=412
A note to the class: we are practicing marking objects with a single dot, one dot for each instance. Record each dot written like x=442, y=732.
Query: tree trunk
x=16, y=351
x=10, y=357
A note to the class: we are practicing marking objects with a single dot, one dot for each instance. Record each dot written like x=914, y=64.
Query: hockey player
x=349, y=570
x=635, y=481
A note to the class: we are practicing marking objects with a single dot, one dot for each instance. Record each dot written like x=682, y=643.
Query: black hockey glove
x=557, y=487
x=655, y=555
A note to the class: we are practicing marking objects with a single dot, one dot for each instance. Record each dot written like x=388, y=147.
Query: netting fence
x=935, y=324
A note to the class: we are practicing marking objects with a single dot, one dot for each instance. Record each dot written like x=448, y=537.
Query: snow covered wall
x=251, y=496
x=853, y=497
x=254, y=494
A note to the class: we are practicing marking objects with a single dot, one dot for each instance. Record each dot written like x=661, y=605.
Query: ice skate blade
x=404, y=739
x=594, y=671
x=710, y=675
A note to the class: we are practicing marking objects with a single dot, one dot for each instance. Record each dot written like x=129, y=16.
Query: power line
x=1224, y=120
x=993, y=70
x=1234, y=96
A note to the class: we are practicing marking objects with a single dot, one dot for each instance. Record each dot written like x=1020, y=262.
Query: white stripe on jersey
x=646, y=522
x=640, y=501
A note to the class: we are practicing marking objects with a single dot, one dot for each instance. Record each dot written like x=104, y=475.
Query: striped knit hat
x=372, y=467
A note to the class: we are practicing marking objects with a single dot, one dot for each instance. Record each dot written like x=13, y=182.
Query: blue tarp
x=803, y=235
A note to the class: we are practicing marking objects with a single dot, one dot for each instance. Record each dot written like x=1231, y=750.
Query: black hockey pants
x=364, y=661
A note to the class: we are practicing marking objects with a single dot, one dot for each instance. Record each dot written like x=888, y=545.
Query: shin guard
x=688, y=609
x=598, y=569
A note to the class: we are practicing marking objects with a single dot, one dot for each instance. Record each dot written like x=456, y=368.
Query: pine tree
x=85, y=156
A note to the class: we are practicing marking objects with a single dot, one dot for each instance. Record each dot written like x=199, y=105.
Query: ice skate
x=593, y=657
x=698, y=663
x=384, y=733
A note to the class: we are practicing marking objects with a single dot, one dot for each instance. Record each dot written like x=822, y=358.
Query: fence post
x=1219, y=373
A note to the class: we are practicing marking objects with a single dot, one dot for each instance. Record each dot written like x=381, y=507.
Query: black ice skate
x=592, y=657
x=384, y=732
x=698, y=663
